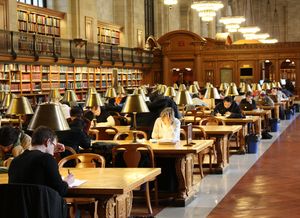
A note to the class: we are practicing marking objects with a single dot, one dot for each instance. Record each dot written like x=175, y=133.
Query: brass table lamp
x=54, y=95
x=246, y=88
x=50, y=115
x=110, y=93
x=121, y=90
x=135, y=104
x=256, y=87
x=182, y=87
x=19, y=106
x=93, y=100
x=183, y=98
x=212, y=94
x=70, y=96
x=231, y=90
x=193, y=89
x=140, y=91
x=170, y=92
x=7, y=100
x=265, y=86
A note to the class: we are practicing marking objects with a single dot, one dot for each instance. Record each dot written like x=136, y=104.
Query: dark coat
x=246, y=106
x=234, y=109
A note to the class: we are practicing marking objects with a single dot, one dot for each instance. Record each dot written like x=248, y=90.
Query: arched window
x=39, y=3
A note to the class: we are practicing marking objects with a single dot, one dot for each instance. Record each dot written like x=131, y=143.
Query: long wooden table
x=112, y=187
x=221, y=133
x=184, y=165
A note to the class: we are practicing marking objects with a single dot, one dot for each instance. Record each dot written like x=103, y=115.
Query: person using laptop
x=248, y=103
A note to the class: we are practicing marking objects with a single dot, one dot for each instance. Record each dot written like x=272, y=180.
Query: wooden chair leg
x=210, y=160
x=200, y=164
x=156, y=192
x=148, y=200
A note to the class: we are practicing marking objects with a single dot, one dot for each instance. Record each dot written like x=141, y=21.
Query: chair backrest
x=31, y=201
x=132, y=154
x=70, y=150
x=84, y=160
x=129, y=135
x=106, y=133
x=201, y=132
x=211, y=121
x=120, y=120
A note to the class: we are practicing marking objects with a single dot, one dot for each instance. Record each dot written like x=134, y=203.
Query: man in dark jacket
x=248, y=104
x=228, y=107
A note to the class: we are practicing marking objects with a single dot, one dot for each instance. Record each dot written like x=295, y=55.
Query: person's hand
x=59, y=148
x=69, y=179
x=227, y=113
x=218, y=114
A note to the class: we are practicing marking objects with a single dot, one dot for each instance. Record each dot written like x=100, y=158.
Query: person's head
x=195, y=95
x=262, y=94
x=227, y=101
x=96, y=110
x=167, y=115
x=8, y=137
x=76, y=112
x=249, y=96
x=44, y=136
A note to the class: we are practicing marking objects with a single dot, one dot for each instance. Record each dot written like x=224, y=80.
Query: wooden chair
x=132, y=157
x=58, y=157
x=129, y=135
x=211, y=121
x=120, y=120
x=84, y=160
x=106, y=132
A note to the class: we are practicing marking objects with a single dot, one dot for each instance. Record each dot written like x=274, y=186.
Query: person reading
x=228, y=108
x=166, y=127
x=248, y=103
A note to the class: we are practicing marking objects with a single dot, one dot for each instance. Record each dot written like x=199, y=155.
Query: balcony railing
x=24, y=44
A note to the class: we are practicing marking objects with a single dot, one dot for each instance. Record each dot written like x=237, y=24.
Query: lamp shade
x=196, y=84
x=2, y=95
x=231, y=90
x=140, y=91
x=162, y=89
x=170, y=92
x=223, y=87
x=208, y=85
x=92, y=90
x=93, y=100
x=121, y=90
x=70, y=96
x=135, y=103
x=50, y=115
x=246, y=88
x=212, y=93
x=242, y=84
x=54, y=95
x=7, y=100
x=19, y=106
x=183, y=98
x=175, y=86
x=256, y=87
x=182, y=87
x=193, y=89
x=144, y=89
x=110, y=93
x=266, y=86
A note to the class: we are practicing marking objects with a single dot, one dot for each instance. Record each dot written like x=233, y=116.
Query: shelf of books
x=37, y=80
x=108, y=33
x=38, y=20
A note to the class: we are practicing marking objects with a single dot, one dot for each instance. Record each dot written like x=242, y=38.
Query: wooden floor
x=271, y=188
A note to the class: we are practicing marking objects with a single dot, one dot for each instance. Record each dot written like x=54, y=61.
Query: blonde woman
x=166, y=126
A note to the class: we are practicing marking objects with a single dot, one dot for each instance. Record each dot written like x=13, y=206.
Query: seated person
x=13, y=142
x=102, y=117
x=239, y=98
x=248, y=103
x=37, y=166
x=166, y=126
x=228, y=107
x=77, y=136
x=263, y=100
x=197, y=101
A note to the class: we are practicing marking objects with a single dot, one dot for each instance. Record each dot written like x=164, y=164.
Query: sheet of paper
x=77, y=182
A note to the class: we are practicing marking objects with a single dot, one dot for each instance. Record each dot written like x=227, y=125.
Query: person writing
x=228, y=107
x=102, y=117
x=38, y=166
x=166, y=126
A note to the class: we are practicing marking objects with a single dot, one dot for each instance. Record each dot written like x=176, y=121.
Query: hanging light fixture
x=257, y=36
x=170, y=2
x=207, y=9
x=268, y=41
x=249, y=29
x=232, y=23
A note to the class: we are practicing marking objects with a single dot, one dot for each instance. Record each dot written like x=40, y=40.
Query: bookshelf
x=108, y=33
x=36, y=20
x=35, y=81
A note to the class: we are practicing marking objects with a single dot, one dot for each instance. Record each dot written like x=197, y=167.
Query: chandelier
x=232, y=23
x=207, y=9
x=170, y=2
x=249, y=29
x=268, y=41
x=257, y=36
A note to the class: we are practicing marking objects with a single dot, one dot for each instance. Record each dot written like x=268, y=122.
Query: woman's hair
x=168, y=112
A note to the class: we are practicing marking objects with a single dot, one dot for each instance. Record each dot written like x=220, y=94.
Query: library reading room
x=149, y=108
